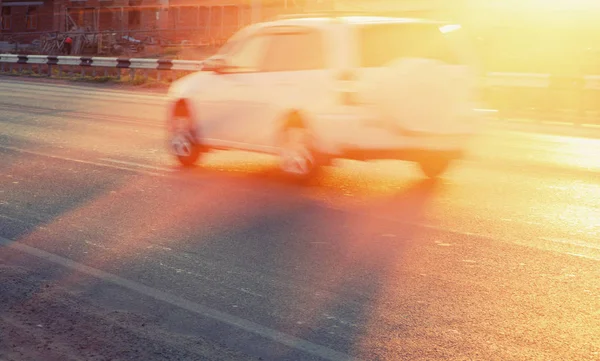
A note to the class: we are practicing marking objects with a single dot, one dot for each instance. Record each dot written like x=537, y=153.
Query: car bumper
x=363, y=132
x=407, y=154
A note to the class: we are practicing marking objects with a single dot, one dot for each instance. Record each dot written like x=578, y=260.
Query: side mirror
x=217, y=65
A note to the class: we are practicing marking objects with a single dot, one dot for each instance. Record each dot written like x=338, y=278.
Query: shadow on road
x=320, y=267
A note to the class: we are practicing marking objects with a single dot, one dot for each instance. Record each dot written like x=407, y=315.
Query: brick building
x=508, y=28
x=22, y=16
x=219, y=19
x=19, y=16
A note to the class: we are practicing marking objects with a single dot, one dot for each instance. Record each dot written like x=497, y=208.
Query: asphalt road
x=109, y=251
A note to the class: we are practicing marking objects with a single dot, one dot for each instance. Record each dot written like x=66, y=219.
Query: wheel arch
x=183, y=107
x=295, y=117
x=291, y=118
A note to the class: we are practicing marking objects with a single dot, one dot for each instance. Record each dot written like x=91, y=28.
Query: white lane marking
x=201, y=310
x=43, y=89
x=327, y=206
x=571, y=242
x=134, y=164
x=583, y=256
x=88, y=99
x=518, y=120
x=210, y=279
x=456, y=232
x=13, y=219
x=97, y=245
x=484, y=237
x=557, y=122
x=80, y=161
x=144, y=122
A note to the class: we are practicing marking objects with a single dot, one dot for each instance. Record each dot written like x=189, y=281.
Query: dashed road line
x=572, y=242
x=13, y=219
x=89, y=162
x=579, y=255
x=90, y=94
x=79, y=115
x=135, y=164
x=557, y=122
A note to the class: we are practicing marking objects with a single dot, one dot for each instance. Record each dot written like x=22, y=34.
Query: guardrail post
x=122, y=63
x=22, y=59
x=163, y=64
x=85, y=61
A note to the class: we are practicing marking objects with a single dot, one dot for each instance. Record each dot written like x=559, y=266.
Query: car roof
x=324, y=20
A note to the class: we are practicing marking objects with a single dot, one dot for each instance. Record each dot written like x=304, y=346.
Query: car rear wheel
x=297, y=158
x=435, y=166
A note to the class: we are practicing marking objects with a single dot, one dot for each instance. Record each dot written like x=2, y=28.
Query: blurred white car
x=310, y=89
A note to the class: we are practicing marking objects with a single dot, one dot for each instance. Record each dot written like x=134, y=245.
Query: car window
x=380, y=44
x=234, y=41
x=295, y=51
x=248, y=54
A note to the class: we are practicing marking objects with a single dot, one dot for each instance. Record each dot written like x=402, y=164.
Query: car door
x=221, y=104
x=294, y=75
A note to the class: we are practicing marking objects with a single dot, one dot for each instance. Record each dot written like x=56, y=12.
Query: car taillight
x=346, y=75
x=347, y=87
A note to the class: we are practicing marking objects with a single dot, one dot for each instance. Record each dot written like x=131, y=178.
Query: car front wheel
x=184, y=143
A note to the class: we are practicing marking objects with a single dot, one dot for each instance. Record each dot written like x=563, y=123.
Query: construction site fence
x=171, y=33
x=34, y=42
x=575, y=99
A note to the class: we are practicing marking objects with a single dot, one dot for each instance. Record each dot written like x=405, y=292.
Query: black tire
x=435, y=166
x=184, y=143
x=314, y=164
x=194, y=155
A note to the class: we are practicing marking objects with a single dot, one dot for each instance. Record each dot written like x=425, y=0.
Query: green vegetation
x=143, y=80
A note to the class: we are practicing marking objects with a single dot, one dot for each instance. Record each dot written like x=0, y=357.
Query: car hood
x=189, y=84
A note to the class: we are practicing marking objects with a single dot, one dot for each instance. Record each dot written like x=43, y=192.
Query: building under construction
x=508, y=33
x=100, y=26
x=207, y=19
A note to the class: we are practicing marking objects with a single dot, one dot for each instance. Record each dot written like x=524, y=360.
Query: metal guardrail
x=49, y=65
x=513, y=95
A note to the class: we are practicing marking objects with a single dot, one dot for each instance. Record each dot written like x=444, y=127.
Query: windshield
x=380, y=44
x=234, y=40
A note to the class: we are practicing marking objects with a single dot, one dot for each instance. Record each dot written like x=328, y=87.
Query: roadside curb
x=150, y=87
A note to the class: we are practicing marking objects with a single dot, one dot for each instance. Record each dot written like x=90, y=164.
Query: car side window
x=380, y=44
x=248, y=54
x=295, y=51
